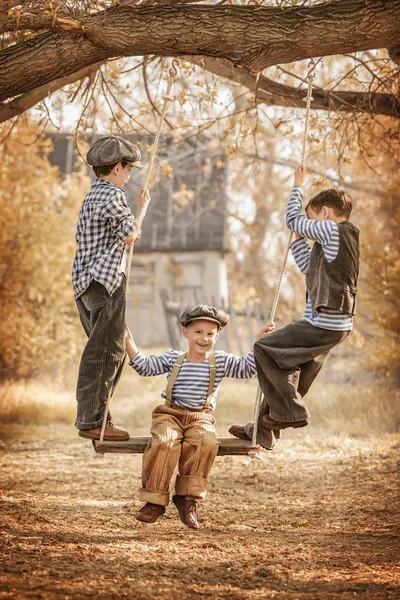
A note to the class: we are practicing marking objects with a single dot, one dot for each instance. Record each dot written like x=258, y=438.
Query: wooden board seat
x=136, y=445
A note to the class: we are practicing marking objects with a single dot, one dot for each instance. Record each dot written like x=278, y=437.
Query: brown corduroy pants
x=179, y=437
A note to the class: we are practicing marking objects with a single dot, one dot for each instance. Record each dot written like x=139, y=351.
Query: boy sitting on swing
x=289, y=359
x=182, y=429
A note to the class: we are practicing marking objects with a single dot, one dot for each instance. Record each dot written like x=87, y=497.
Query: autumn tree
x=241, y=82
x=38, y=326
x=47, y=45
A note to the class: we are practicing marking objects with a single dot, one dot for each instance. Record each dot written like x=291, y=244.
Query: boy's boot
x=187, y=511
x=150, y=512
x=245, y=432
x=112, y=433
x=239, y=432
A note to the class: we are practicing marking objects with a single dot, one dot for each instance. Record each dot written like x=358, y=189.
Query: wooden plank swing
x=137, y=445
x=230, y=446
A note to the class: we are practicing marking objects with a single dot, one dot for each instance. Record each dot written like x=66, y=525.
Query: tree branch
x=26, y=101
x=272, y=93
x=7, y=4
x=394, y=54
x=250, y=37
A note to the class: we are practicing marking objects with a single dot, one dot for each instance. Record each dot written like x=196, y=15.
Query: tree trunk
x=251, y=37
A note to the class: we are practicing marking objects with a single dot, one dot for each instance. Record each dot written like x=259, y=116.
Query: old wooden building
x=181, y=254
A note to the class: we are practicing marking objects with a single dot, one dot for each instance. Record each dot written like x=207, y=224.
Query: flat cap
x=206, y=312
x=113, y=149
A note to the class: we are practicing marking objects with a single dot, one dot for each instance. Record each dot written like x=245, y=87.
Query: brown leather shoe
x=187, y=511
x=150, y=512
x=239, y=432
x=112, y=433
x=272, y=424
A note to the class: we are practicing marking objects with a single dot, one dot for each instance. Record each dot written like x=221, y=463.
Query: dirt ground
x=317, y=518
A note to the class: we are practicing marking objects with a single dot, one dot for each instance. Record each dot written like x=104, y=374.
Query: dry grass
x=36, y=404
x=342, y=408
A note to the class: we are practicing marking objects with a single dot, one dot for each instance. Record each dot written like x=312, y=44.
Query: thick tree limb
x=270, y=92
x=394, y=54
x=7, y=4
x=33, y=19
x=26, y=101
x=251, y=37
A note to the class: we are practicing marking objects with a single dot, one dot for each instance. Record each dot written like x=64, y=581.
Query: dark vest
x=333, y=285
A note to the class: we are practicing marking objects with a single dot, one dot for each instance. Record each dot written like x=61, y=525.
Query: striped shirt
x=105, y=220
x=191, y=386
x=325, y=233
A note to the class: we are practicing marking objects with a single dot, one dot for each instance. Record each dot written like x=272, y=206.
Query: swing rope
x=172, y=75
x=308, y=99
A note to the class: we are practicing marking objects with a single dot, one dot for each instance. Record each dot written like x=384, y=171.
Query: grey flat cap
x=206, y=312
x=111, y=150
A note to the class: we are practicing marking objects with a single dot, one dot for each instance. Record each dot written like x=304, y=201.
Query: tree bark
x=250, y=37
x=16, y=107
x=394, y=54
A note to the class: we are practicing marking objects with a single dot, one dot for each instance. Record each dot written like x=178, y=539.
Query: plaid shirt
x=104, y=219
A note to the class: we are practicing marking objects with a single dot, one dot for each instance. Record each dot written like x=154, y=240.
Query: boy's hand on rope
x=300, y=175
x=266, y=329
x=132, y=237
x=143, y=198
x=136, y=233
x=143, y=201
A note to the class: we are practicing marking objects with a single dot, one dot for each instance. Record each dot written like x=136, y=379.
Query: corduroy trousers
x=179, y=437
x=103, y=319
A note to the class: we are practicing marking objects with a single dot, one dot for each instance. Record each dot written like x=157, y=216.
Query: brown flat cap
x=112, y=149
x=206, y=312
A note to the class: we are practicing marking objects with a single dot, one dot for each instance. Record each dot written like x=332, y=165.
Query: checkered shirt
x=104, y=219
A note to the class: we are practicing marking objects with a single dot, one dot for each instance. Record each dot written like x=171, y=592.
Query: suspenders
x=175, y=372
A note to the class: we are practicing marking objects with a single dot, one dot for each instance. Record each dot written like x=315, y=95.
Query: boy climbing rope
x=182, y=429
x=289, y=359
x=105, y=224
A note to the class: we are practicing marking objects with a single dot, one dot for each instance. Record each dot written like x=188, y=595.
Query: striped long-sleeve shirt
x=190, y=388
x=325, y=233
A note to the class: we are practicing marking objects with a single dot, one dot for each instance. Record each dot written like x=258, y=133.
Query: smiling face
x=201, y=336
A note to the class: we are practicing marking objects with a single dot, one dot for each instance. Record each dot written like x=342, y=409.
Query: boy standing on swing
x=289, y=359
x=105, y=225
x=182, y=430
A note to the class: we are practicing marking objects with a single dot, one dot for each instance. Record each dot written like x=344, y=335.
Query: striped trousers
x=103, y=319
x=179, y=437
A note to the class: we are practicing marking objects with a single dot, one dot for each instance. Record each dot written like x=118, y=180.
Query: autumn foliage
x=381, y=280
x=38, y=326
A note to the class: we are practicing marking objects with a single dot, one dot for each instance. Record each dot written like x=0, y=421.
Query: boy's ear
x=326, y=212
x=184, y=332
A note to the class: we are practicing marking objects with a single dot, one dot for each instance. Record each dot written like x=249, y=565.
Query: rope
x=172, y=75
x=308, y=99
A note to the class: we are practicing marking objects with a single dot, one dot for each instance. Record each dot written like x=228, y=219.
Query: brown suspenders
x=175, y=372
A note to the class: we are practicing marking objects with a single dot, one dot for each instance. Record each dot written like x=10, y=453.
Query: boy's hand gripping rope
x=172, y=75
x=308, y=99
